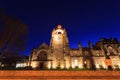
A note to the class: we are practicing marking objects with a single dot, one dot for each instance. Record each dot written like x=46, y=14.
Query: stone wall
x=60, y=74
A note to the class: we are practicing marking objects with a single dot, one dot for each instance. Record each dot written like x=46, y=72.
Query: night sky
x=84, y=20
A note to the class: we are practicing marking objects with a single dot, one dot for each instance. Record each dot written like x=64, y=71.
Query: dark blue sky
x=83, y=19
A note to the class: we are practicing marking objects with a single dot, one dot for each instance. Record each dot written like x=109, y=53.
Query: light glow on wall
x=20, y=65
x=80, y=63
x=73, y=66
x=57, y=38
x=76, y=62
x=49, y=65
x=34, y=64
x=62, y=66
x=84, y=62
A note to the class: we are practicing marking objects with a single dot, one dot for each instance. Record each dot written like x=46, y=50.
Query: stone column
x=64, y=63
x=51, y=64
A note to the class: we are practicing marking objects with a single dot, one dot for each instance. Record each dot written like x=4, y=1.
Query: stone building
x=103, y=54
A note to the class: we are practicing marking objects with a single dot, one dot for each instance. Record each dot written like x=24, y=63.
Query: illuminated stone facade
x=102, y=55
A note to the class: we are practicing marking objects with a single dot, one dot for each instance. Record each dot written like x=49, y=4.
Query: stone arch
x=59, y=32
x=110, y=50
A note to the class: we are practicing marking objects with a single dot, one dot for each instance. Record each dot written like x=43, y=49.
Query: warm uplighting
x=73, y=66
x=57, y=38
x=84, y=62
x=60, y=55
x=34, y=65
x=76, y=62
x=49, y=65
x=19, y=65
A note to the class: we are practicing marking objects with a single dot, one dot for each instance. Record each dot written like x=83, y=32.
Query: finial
x=59, y=26
x=79, y=45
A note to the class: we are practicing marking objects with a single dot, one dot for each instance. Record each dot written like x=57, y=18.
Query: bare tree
x=13, y=34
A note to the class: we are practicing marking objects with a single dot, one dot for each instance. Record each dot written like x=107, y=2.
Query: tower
x=59, y=46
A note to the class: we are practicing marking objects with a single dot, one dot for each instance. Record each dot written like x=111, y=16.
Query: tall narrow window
x=110, y=49
x=76, y=62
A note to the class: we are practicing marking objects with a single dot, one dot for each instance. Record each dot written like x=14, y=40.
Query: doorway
x=110, y=67
x=41, y=65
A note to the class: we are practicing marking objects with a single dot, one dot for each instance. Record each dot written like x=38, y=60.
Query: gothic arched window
x=86, y=53
x=119, y=49
x=97, y=53
x=42, y=56
x=110, y=49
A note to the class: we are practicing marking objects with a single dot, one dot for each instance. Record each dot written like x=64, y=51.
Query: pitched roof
x=43, y=46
